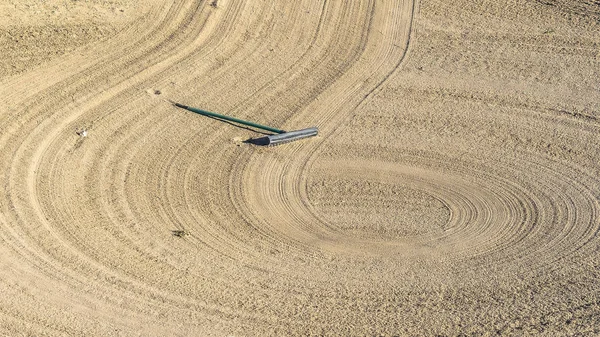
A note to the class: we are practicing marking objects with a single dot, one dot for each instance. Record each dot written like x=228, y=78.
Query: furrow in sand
x=287, y=196
x=451, y=192
x=51, y=137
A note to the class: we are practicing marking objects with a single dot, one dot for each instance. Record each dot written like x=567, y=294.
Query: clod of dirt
x=153, y=92
x=237, y=141
x=179, y=233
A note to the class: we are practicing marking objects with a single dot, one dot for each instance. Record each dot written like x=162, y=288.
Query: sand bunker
x=453, y=188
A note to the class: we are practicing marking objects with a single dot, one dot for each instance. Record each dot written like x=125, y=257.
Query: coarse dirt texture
x=454, y=188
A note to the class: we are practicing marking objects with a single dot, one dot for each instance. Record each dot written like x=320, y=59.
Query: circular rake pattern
x=161, y=222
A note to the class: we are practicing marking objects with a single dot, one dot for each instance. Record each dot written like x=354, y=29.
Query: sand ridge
x=453, y=188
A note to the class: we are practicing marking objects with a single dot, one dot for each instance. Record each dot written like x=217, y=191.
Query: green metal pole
x=227, y=118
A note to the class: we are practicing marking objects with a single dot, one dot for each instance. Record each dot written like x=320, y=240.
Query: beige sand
x=454, y=187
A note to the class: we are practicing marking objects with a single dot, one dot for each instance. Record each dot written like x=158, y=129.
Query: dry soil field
x=454, y=187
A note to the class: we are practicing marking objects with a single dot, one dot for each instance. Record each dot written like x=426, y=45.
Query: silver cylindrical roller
x=291, y=136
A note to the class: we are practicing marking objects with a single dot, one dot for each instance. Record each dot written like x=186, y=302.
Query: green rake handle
x=227, y=118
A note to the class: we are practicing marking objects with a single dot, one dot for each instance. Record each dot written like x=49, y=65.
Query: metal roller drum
x=291, y=136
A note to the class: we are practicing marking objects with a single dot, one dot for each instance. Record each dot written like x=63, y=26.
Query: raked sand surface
x=454, y=187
